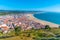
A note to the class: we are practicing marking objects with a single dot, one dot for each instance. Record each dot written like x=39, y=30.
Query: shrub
x=59, y=26
x=17, y=30
x=47, y=27
x=28, y=35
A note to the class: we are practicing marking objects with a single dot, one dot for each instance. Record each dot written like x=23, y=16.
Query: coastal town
x=25, y=26
x=22, y=20
x=29, y=19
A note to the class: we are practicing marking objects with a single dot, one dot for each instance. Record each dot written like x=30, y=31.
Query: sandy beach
x=42, y=21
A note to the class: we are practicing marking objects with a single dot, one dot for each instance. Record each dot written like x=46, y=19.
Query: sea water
x=49, y=16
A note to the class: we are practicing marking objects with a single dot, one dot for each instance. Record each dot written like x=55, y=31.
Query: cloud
x=2, y=7
x=54, y=8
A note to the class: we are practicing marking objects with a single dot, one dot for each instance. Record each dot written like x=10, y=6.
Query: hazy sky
x=45, y=5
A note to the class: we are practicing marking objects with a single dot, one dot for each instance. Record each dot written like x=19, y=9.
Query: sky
x=43, y=5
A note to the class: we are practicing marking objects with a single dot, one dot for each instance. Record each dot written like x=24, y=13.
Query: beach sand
x=52, y=25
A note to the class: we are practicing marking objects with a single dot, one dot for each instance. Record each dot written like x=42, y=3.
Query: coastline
x=52, y=25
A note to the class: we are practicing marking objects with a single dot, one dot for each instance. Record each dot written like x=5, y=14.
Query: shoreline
x=52, y=25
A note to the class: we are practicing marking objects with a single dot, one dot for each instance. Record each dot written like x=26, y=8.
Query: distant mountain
x=17, y=11
x=5, y=12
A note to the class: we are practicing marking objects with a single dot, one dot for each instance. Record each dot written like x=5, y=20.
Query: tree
x=17, y=30
x=47, y=27
x=59, y=26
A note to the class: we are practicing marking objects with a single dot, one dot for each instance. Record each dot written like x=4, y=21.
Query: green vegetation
x=33, y=34
x=47, y=27
x=59, y=26
x=17, y=30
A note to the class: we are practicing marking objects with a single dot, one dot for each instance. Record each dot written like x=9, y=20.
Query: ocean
x=49, y=16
